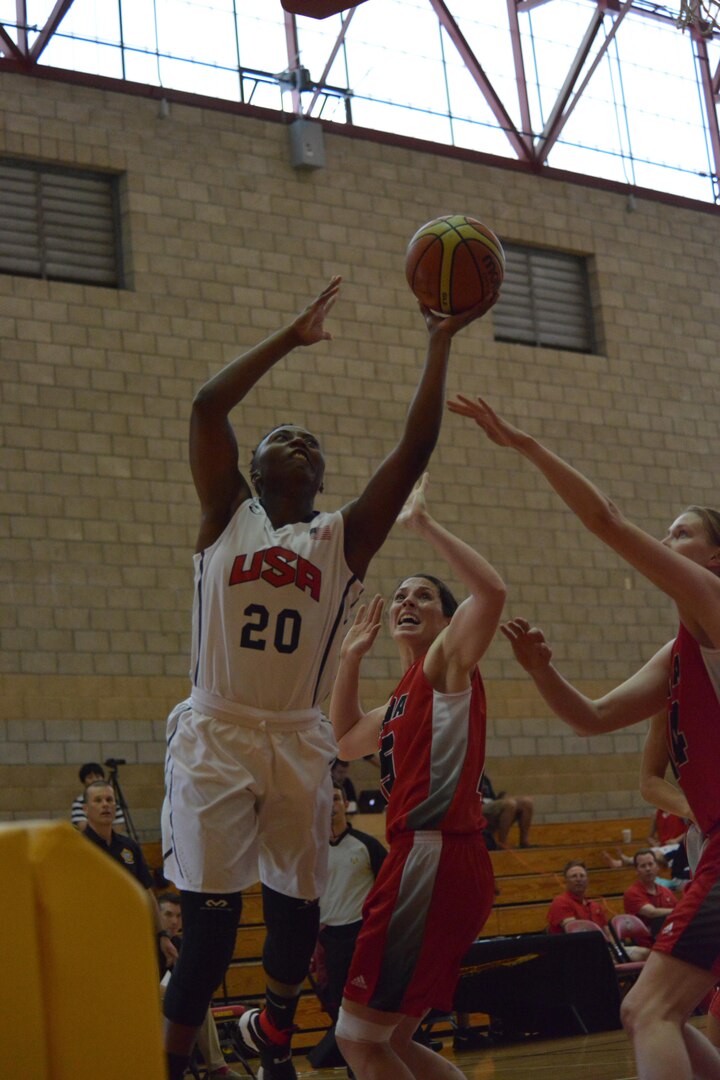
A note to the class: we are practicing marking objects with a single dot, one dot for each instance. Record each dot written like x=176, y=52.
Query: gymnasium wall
x=224, y=241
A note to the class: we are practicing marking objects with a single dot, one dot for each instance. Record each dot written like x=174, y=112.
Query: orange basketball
x=453, y=263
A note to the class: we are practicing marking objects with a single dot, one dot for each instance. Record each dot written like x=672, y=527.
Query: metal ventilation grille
x=58, y=224
x=545, y=300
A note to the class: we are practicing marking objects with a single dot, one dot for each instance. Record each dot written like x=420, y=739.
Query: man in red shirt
x=572, y=903
x=647, y=899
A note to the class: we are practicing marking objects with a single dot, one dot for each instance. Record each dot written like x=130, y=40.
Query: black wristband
x=163, y=933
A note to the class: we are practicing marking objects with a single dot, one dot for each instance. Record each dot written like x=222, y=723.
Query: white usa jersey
x=269, y=613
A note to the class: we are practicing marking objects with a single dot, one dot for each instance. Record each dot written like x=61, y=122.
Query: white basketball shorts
x=246, y=803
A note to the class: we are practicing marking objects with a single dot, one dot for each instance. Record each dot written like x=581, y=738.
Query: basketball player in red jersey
x=248, y=787
x=435, y=889
x=684, y=674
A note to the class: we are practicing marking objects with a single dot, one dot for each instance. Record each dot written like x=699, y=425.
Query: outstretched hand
x=309, y=323
x=364, y=630
x=415, y=512
x=450, y=324
x=497, y=430
x=531, y=649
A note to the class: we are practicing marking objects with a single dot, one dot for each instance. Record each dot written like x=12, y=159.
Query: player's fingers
x=461, y=409
x=360, y=614
x=462, y=399
x=375, y=607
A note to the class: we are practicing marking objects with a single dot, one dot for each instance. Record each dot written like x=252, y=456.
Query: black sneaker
x=278, y=1070
x=275, y=1058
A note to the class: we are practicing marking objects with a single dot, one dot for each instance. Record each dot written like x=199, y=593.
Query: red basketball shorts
x=692, y=930
x=429, y=903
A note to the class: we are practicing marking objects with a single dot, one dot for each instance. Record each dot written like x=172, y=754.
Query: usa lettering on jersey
x=279, y=567
x=677, y=740
x=396, y=708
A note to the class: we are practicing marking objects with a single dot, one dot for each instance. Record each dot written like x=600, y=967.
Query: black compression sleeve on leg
x=210, y=922
x=292, y=930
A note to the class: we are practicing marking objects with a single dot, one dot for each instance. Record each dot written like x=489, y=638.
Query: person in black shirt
x=339, y=772
x=355, y=860
x=100, y=807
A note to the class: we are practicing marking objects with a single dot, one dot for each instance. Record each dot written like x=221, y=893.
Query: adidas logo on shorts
x=359, y=981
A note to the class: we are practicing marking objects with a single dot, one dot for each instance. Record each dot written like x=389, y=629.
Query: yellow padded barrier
x=81, y=946
x=22, y=1038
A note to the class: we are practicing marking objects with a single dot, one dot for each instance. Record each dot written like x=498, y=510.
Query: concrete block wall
x=223, y=242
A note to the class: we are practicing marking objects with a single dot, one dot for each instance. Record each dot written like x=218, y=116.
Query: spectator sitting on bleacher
x=667, y=839
x=674, y=856
x=339, y=772
x=573, y=904
x=89, y=773
x=100, y=811
x=207, y=1037
x=668, y=830
x=646, y=898
x=667, y=836
x=501, y=811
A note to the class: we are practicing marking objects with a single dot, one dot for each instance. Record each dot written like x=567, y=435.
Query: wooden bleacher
x=527, y=880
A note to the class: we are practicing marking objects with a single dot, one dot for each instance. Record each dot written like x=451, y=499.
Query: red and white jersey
x=693, y=726
x=269, y=611
x=432, y=754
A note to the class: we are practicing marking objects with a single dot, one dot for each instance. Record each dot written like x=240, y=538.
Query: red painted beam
x=709, y=101
x=8, y=46
x=57, y=15
x=562, y=110
x=520, y=77
x=21, y=23
x=331, y=59
x=501, y=114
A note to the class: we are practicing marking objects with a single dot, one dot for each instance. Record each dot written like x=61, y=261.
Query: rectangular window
x=59, y=223
x=545, y=300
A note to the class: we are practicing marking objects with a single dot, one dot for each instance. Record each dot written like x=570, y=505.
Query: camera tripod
x=113, y=765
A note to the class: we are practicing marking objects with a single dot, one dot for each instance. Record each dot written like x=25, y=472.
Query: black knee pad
x=210, y=922
x=292, y=929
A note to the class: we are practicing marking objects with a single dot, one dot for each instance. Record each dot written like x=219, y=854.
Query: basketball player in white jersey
x=248, y=788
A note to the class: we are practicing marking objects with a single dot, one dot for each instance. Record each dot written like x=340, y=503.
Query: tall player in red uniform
x=435, y=889
x=684, y=674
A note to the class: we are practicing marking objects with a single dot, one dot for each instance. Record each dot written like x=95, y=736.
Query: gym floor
x=606, y=1056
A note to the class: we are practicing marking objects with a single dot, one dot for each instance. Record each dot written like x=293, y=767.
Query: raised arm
x=220, y=485
x=654, y=788
x=356, y=731
x=460, y=646
x=369, y=518
x=635, y=699
x=694, y=588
